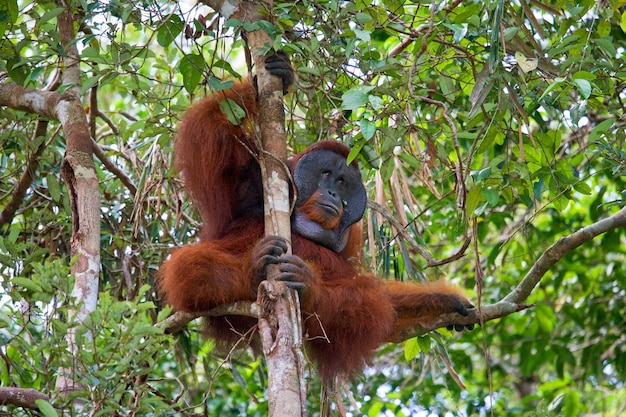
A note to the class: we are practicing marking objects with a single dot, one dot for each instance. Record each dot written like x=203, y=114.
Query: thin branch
x=94, y=113
x=559, y=249
x=178, y=320
x=113, y=169
x=512, y=303
x=458, y=167
x=27, y=177
x=401, y=230
x=21, y=397
x=109, y=122
x=431, y=261
x=488, y=313
x=454, y=257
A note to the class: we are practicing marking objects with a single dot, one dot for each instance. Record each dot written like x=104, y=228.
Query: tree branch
x=510, y=304
x=113, y=169
x=179, y=319
x=513, y=302
x=79, y=173
x=21, y=397
x=559, y=249
x=43, y=103
x=280, y=321
x=476, y=316
x=26, y=179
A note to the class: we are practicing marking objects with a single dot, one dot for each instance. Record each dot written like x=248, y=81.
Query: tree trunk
x=279, y=308
x=81, y=179
x=78, y=171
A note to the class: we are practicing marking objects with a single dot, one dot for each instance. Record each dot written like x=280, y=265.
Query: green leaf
x=9, y=11
x=410, y=160
x=492, y=196
x=89, y=82
x=483, y=174
x=583, y=188
x=355, y=97
x=312, y=71
x=474, y=198
x=46, y=408
x=364, y=35
x=459, y=31
x=368, y=128
x=601, y=128
x=234, y=113
x=545, y=318
x=170, y=29
x=93, y=54
x=137, y=126
x=572, y=405
x=49, y=15
x=142, y=329
x=191, y=67
x=53, y=187
x=411, y=349
x=424, y=343
x=560, y=203
x=218, y=85
x=494, y=53
x=269, y=28
x=233, y=23
x=376, y=409
x=227, y=67
x=17, y=69
x=557, y=82
x=584, y=87
x=354, y=151
x=606, y=44
x=147, y=305
x=26, y=283
x=13, y=235
x=585, y=75
x=364, y=18
x=375, y=101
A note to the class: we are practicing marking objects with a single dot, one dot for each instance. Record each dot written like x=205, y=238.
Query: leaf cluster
x=500, y=124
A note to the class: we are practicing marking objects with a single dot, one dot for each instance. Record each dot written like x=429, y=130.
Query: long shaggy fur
x=351, y=313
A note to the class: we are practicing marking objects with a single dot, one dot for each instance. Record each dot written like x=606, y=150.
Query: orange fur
x=348, y=313
x=315, y=213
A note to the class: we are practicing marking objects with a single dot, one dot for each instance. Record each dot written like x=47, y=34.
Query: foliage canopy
x=487, y=130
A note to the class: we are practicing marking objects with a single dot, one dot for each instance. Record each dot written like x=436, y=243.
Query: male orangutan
x=347, y=313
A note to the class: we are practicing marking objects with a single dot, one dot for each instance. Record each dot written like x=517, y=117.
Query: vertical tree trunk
x=80, y=177
x=279, y=308
x=279, y=317
x=78, y=171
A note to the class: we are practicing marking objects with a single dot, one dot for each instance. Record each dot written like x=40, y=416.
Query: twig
x=7, y=214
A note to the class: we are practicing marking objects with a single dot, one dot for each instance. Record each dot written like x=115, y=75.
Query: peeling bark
x=79, y=172
x=280, y=317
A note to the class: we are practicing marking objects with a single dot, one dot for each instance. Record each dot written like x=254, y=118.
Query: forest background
x=486, y=132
